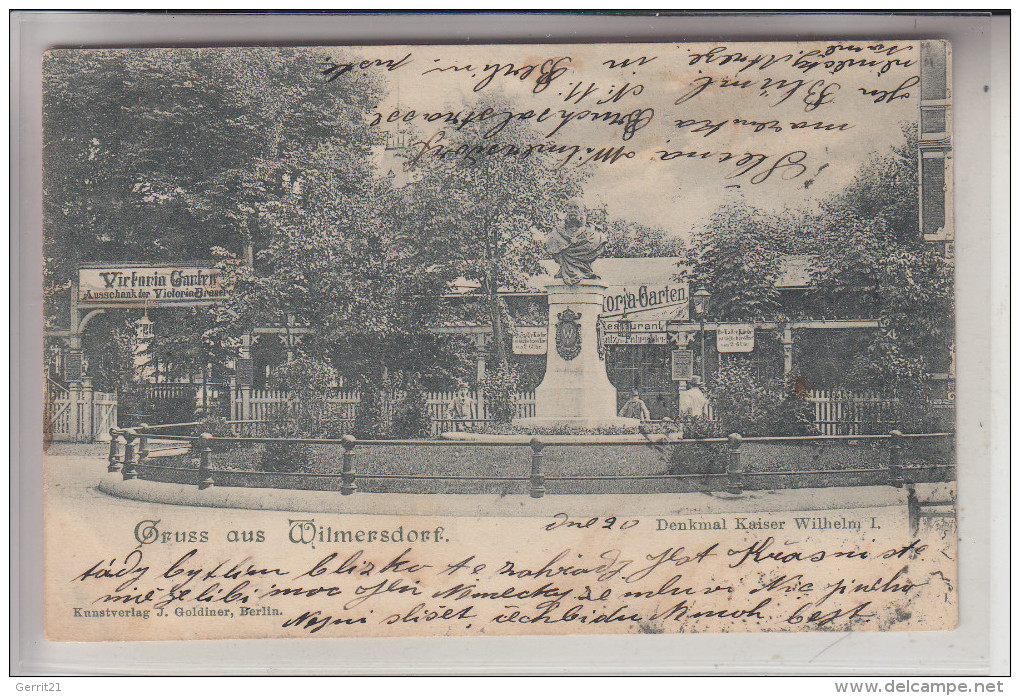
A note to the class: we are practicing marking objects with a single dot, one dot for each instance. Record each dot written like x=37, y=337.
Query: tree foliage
x=872, y=262
x=737, y=256
x=109, y=350
x=163, y=154
x=485, y=217
x=750, y=406
x=869, y=261
x=626, y=239
x=177, y=154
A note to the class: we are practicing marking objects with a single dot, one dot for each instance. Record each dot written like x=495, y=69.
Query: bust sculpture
x=576, y=246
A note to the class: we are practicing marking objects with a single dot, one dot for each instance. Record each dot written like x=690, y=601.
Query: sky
x=800, y=118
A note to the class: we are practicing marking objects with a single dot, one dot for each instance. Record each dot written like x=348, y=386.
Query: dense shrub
x=794, y=415
x=500, y=388
x=310, y=383
x=747, y=405
x=411, y=417
x=917, y=414
x=370, y=421
x=174, y=409
x=306, y=414
x=698, y=457
x=697, y=427
x=286, y=457
x=217, y=426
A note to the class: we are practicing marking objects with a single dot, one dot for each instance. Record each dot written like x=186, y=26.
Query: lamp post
x=700, y=302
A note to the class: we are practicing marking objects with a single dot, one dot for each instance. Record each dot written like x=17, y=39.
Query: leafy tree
x=310, y=383
x=171, y=154
x=869, y=262
x=186, y=341
x=163, y=154
x=630, y=239
x=339, y=264
x=872, y=262
x=737, y=255
x=483, y=214
x=750, y=406
x=109, y=350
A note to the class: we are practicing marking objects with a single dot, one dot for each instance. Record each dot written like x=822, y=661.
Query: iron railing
x=130, y=448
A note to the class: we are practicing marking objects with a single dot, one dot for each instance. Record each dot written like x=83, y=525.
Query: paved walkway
x=485, y=505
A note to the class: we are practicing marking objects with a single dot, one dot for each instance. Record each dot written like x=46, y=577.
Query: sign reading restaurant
x=149, y=286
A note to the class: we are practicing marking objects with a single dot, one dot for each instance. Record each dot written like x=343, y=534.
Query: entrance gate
x=77, y=414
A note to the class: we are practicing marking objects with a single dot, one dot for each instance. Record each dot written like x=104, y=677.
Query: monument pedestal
x=576, y=390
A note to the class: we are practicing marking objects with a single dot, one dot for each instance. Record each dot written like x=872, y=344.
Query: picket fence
x=258, y=405
x=835, y=412
x=840, y=412
x=853, y=413
x=77, y=415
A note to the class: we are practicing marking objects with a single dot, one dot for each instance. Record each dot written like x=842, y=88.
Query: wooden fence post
x=114, y=465
x=130, y=437
x=88, y=428
x=246, y=410
x=537, y=488
x=74, y=410
x=347, y=477
x=734, y=466
x=896, y=459
x=205, y=479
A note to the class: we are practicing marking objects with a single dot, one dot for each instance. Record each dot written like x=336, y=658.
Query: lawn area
x=240, y=466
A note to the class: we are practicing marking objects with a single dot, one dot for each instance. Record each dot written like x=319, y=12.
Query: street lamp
x=702, y=298
x=700, y=301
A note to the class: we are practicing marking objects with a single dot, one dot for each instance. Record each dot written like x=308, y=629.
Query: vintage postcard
x=499, y=339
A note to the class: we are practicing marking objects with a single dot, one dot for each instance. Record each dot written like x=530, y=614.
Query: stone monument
x=576, y=390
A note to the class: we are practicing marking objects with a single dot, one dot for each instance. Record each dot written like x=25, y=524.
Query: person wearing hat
x=635, y=408
x=693, y=401
x=460, y=409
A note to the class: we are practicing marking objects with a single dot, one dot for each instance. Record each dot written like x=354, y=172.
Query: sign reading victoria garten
x=149, y=286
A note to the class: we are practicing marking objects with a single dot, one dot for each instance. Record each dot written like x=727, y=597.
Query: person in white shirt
x=693, y=401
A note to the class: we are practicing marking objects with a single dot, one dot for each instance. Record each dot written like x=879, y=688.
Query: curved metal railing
x=131, y=448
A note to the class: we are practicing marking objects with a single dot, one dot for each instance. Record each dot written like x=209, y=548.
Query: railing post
x=114, y=465
x=913, y=510
x=143, y=445
x=205, y=462
x=130, y=436
x=734, y=466
x=896, y=459
x=348, y=485
x=537, y=482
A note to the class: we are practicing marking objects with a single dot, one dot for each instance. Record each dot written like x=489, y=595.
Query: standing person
x=460, y=410
x=635, y=407
x=693, y=401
